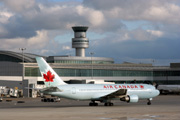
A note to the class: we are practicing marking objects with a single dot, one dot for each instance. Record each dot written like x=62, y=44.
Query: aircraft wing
x=116, y=94
x=47, y=89
x=30, y=88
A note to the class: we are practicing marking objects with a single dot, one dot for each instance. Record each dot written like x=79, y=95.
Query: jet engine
x=130, y=98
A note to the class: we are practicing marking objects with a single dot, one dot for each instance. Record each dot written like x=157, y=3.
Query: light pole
x=91, y=53
x=153, y=70
x=153, y=61
x=22, y=49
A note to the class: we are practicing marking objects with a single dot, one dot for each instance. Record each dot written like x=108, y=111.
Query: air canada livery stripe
x=123, y=86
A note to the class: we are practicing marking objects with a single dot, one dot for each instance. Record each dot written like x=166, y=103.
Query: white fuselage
x=96, y=91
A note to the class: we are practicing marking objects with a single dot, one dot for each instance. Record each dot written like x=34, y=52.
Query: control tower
x=80, y=42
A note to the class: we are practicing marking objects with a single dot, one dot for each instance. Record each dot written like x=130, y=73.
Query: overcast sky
x=139, y=31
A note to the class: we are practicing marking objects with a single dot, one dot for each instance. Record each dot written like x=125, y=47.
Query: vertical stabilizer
x=51, y=78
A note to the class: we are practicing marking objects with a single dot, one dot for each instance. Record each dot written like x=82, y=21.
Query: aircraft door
x=73, y=90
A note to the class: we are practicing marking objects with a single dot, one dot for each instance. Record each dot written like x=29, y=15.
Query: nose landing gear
x=149, y=101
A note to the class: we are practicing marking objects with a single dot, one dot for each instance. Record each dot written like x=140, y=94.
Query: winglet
x=51, y=78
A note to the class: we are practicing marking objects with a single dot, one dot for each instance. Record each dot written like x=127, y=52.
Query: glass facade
x=34, y=72
x=81, y=62
x=159, y=82
x=81, y=41
x=9, y=58
x=167, y=82
x=166, y=73
x=30, y=71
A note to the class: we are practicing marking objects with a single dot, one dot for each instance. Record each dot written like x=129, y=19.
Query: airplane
x=165, y=89
x=103, y=93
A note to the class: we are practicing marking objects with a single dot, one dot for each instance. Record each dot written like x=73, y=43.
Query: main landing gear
x=93, y=103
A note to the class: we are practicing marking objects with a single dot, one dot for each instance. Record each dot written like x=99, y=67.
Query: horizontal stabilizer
x=50, y=89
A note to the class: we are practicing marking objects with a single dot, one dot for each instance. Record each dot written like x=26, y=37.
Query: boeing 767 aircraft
x=94, y=92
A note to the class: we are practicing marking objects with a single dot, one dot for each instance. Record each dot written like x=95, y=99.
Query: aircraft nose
x=157, y=92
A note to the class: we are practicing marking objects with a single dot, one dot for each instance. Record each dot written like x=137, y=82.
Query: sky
x=137, y=31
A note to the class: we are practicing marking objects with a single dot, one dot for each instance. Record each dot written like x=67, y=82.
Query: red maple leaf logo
x=141, y=86
x=49, y=77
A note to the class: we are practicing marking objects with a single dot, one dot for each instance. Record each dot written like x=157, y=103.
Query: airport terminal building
x=75, y=69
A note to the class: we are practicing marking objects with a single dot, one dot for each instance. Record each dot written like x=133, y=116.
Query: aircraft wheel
x=52, y=100
x=90, y=104
x=95, y=104
x=111, y=104
x=108, y=104
x=48, y=100
x=105, y=104
x=45, y=100
x=149, y=103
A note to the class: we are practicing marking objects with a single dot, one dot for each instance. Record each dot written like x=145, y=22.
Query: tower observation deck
x=80, y=42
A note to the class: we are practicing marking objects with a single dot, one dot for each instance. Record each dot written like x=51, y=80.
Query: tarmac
x=163, y=107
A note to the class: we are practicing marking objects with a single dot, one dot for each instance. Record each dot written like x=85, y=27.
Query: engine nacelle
x=130, y=98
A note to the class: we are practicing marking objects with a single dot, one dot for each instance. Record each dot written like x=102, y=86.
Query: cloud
x=4, y=16
x=19, y=5
x=156, y=33
x=66, y=47
x=153, y=10
x=94, y=17
x=168, y=13
x=36, y=25
x=36, y=42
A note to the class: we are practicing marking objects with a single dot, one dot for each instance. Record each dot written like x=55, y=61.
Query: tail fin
x=51, y=77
